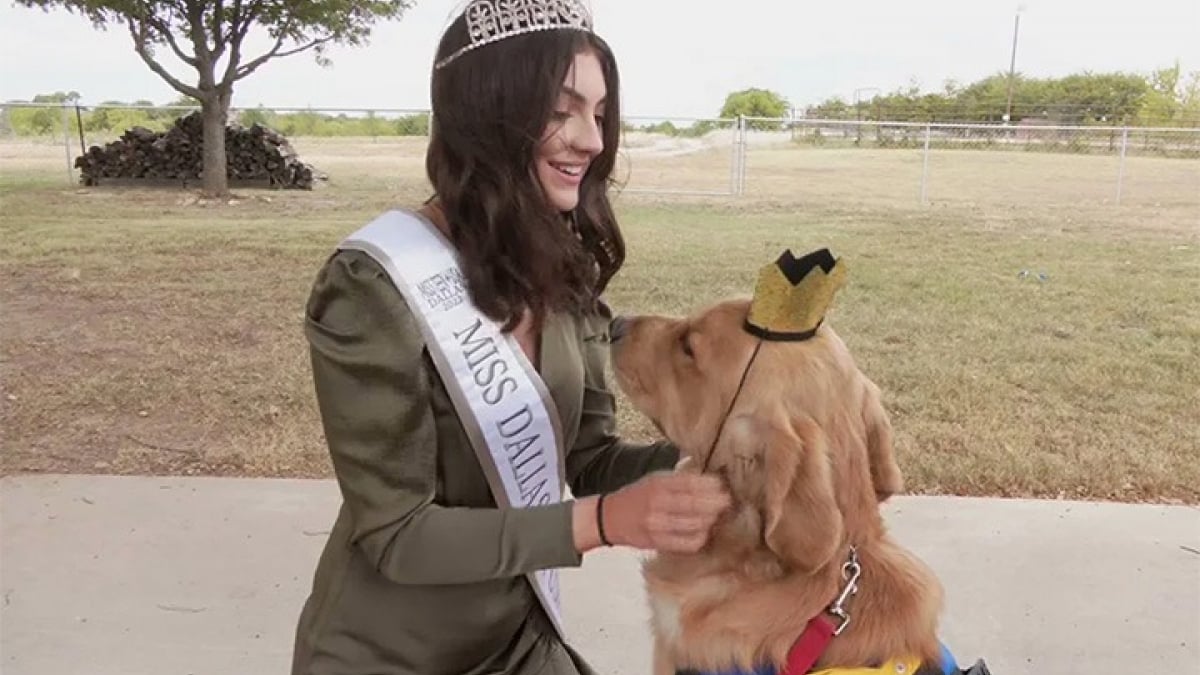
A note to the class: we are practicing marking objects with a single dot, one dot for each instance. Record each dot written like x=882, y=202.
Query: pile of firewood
x=255, y=154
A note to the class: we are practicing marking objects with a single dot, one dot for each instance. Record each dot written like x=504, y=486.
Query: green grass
x=148, y=332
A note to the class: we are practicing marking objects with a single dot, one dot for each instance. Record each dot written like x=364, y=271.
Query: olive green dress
x=422, y=574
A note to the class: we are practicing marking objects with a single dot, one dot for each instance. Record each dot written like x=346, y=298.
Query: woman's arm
x=601, y=460
x=373, y=391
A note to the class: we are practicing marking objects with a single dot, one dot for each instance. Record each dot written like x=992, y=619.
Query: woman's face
x=574, y=136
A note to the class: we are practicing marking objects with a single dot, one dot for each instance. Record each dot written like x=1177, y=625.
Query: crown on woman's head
x=793, y=294
x=490, y=21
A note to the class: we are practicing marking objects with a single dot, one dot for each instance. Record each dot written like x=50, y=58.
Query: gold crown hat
x=793, y=294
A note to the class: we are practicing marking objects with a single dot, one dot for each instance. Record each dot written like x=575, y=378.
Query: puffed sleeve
x=601, y=461
x=373, y=392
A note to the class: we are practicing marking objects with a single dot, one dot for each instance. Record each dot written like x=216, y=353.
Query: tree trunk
x=215, y=175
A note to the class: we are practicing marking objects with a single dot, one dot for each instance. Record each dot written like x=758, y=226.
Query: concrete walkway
x=205, y=576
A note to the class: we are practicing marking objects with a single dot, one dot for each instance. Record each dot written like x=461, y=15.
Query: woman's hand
x=669, y=512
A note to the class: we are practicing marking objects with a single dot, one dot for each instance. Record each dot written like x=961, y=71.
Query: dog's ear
x=881, y=455
x=801, y=520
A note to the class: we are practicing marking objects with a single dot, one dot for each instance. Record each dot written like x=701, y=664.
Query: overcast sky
x=678, y=58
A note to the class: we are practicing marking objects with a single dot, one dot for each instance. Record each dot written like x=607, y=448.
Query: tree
x=1085, y=98
x=208, y=36
x=1189, y=101
x=755, y=103
x=831, y=109
x=1173, y=98
x=58, y=97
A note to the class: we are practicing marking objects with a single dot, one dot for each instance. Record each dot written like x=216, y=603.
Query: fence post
x=737, y=165
x=742, y=162
x=1121, y=162
x=66, y=126
x=925, y=164
x=79, y=121
x=734, y=152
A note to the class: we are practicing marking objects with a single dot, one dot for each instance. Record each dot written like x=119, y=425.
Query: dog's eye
x=686, y=345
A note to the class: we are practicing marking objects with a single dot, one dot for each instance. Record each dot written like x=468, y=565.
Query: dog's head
x=806, y=445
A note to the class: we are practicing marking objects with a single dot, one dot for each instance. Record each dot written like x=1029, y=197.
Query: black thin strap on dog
x=721, y=428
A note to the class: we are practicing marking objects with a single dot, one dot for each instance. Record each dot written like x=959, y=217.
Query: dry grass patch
x=147, y=332
x=1079, y=385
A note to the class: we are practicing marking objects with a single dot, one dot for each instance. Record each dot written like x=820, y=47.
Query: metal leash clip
x=851, y=571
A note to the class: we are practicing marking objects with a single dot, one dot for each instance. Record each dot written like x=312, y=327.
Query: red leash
x=809, y=646
x=820, y=631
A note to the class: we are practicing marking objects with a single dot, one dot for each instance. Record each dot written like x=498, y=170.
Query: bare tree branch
x=251, y=66
x=314, y=43
x=219, y=39
x=195, y=14
x=165, y=31
x=238, y=27
x=138, y=33
x=250, y=12
x=242, y=71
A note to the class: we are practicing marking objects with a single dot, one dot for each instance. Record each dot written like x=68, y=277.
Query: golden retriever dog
x=806, y=452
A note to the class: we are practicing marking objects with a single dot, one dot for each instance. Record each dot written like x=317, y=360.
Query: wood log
x=256, y=153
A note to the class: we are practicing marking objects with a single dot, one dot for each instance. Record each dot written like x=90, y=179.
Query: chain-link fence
x=680, y=156
x=863, y=161
x=971, y=163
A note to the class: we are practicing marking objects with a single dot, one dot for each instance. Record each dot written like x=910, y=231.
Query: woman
x=435, y=564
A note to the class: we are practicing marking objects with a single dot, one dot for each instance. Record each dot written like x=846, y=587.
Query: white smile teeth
x=569, y=170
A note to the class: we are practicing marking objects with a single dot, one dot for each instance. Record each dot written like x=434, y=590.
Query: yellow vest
x=892, y=667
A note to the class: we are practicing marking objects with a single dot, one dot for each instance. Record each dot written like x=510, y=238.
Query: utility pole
x=1012, y=66
x=858, y=111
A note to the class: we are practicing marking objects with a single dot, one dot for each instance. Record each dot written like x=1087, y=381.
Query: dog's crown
x=793, y=294
x=490, y=21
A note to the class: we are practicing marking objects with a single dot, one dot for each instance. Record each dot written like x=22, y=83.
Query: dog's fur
x=807, y=454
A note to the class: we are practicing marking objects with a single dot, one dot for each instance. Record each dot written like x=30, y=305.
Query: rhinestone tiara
x=490, y=21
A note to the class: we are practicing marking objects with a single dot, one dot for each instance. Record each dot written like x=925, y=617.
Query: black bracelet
x=600, y=519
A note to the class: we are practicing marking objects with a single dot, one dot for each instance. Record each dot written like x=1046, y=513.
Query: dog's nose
x=618, y=328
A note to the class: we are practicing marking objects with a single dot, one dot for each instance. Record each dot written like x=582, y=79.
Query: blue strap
x=949, y=665
x=766, y=669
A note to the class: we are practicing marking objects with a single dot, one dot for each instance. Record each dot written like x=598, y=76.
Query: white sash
x=504, y=405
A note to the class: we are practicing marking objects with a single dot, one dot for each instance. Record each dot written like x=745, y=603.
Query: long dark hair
x=490, y=108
